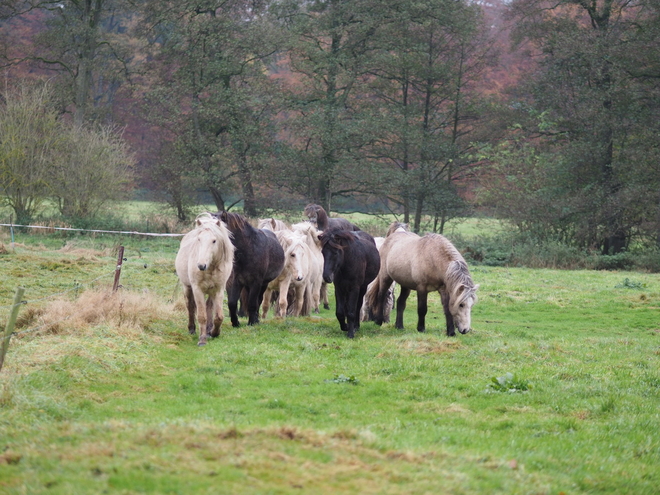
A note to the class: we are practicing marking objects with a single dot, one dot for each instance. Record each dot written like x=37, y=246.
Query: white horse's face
x=207, y=247
x=461, y=308
x=296, y=260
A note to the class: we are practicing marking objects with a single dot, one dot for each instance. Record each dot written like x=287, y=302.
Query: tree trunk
x=217, y=197
x=249, y=200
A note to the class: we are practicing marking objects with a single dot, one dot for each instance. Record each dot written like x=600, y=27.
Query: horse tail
x=374, y=303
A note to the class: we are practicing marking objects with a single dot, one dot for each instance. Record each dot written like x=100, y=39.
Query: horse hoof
x=326, y=306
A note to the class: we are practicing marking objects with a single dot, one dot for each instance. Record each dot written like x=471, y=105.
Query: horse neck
x=321, y=219
x=243, y=236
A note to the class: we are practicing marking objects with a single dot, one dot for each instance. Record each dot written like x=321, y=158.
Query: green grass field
x=556, y=390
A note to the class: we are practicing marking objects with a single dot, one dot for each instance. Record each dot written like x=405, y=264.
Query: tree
x=93, y=167
x=597, y=85
x=328, y=54
x=429, y=58
x=29, y=132
x=212, y=91
x=83, y=43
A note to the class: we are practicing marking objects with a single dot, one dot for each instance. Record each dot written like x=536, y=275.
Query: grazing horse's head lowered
x=462, y=295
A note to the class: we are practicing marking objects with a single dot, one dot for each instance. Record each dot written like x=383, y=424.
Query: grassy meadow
x=556, y=389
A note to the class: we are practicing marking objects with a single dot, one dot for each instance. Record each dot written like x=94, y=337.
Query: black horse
x=318, y=216
x=258, y=259
x=351, y=262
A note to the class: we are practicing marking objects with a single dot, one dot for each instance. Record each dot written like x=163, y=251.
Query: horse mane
x=235, y=221
x=397, y=227
x=334, y=237
x=459, y=282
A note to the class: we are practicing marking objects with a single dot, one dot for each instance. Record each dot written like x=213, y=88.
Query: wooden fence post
x=120, y=260
x=9, y=328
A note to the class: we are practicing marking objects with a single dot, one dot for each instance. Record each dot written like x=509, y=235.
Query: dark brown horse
x=318, y=216
x=351, y=262
x=258, y=259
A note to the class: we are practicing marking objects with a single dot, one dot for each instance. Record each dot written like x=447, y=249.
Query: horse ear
x=198, y=222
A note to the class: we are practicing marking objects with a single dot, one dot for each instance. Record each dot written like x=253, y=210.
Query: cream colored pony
x=203, y=264
x=298, y=264
x=425, y=264
x=272, y=224
x=316, y=288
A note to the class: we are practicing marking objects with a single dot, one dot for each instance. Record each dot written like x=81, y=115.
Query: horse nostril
x=201, y=266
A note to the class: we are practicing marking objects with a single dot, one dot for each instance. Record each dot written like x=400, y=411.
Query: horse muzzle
x=201, y=266
x=463, y=331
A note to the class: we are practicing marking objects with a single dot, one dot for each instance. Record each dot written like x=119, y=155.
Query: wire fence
x=98, y=231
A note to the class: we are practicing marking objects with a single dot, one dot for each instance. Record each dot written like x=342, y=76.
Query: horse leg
x=192, y=308
x=444, y=296
x=243, y=303
x=382, y=285
x=219, y=316
x=354, y=304
x=210, y=318
x=202, y=316
x=255, y=296
x=283, y=301
x=265, y=306
x=340, y=310
x=233, y=293
x=422, y=308
x=401, y=307
x=324, y=295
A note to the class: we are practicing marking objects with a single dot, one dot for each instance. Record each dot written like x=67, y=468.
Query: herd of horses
x=289, y=267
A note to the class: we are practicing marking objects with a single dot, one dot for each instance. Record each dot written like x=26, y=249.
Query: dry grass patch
x=126, y=312
x=430, y=346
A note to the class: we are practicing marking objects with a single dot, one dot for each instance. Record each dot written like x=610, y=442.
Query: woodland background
x=542, y=114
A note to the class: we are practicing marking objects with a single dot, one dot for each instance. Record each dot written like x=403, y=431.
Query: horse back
x=418, y=263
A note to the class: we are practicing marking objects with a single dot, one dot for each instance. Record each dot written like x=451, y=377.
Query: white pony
x=316, y=289
x=272, y=224
x=204, y=263
x=293, y=277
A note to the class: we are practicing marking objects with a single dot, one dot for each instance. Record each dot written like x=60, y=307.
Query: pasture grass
x=109, y=394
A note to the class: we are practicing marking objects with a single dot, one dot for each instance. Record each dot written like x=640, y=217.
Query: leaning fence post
x=9, y=328
x=120, y=260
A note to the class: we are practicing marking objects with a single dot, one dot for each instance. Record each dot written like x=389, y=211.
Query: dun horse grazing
x=425, y=264
x=351, y=261
x=203, y=264
x=294, y=277
x=258, y=259
x=318, y=216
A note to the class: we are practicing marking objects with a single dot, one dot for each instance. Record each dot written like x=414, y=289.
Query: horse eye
x=214, y=241
x=461, y=305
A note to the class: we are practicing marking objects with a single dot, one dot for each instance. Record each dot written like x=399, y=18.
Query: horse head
x=295, y=256
x=460, y=306
x=209, y=232
x=333, y=244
